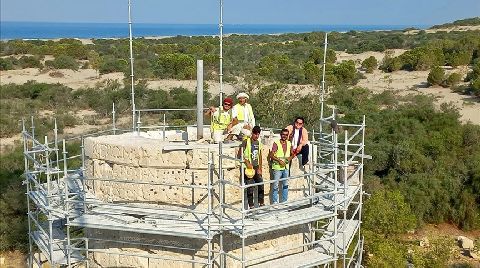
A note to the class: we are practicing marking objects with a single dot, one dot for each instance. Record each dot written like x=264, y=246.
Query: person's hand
x=229, y=128
x=297, y=151
x=212, y=109
x=259, y=171
x=247, y=127
x=249, y=165
x=282, y=163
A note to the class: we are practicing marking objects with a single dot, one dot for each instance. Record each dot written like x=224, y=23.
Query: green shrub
x=453, y=79
x=370, y=64
x=6, y=63
x=436, y=76
x=29, y=62
x=63, y=62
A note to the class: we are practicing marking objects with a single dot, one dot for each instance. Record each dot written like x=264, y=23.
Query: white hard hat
x=242, y=95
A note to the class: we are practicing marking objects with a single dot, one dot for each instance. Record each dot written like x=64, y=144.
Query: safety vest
x=247, y=152
x=241, y=111
x=221, y=120
x=280, y=154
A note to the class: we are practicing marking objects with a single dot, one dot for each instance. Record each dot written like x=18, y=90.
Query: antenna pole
x=220, y=74
x=131, y=62
x=322, y=88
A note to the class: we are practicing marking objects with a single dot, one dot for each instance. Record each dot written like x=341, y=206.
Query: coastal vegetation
x=424, y=166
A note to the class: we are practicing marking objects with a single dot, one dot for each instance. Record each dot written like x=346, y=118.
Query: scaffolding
x=63, y=210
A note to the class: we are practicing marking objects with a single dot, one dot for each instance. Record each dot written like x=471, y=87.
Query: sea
x=53, y=30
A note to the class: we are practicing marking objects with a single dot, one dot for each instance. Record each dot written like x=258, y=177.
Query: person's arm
x=245, y=159
x=260, y=162
x=274, y=157
x=210, y=111
x=253, y=117
x=232, y=124
x=292, y=154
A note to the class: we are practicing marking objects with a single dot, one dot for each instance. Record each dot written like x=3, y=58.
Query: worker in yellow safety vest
x=252, y=156
x=281, y=154
x=243, y=118
x=221, y=118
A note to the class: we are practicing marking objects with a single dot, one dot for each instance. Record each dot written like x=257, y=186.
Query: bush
x=453, y=79
x=436, y=76
x=6, y=63
x=388, y=213
x=63, y=62
x=175, y=65
x=29, y=62
x=370, y=64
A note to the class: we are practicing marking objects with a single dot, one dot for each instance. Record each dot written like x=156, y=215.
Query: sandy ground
x=449, y=29
x=358, y=58
x=89, y=78
x=73, y=79
x=404, y=82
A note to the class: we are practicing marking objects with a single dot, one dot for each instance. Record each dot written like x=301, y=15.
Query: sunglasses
x=300, y=123
x=227, y=104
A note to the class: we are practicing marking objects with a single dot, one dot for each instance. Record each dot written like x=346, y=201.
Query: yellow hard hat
x=250, y=172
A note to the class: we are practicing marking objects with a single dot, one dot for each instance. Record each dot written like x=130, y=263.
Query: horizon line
x=167, y=23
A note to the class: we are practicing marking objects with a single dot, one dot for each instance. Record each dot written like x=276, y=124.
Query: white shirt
x=246, y=115
x=296, y=134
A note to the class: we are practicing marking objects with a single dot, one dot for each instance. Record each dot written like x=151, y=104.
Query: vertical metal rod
x=361, y=190
x=25, y=159
x=164, y=125
x=335, y=187
x=221, y=186
x=220, y=73
x=322, y=88
x=113, y=119
x=345, y=170
x=132, y=76
x=84, y=187
x=50, y=240
x=200, y=99
x=47, y=172
x=138, y=122
x=209, y=207
x=32, y=127
x=87, y=252
x=244, y=211
x=55, y=136
x=66, y=205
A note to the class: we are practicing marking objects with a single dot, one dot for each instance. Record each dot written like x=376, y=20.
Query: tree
x=387, y=213
x=436, y=76
x=370, y=64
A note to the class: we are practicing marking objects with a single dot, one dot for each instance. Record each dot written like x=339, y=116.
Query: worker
x=221, y=118
x=252, y=156
x=298, y=136
x=243, y=118
x=281, y=154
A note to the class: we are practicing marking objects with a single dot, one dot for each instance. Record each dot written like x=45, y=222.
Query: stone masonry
x=137, y=163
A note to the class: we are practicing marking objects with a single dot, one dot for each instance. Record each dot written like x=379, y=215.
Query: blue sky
x=367, y=12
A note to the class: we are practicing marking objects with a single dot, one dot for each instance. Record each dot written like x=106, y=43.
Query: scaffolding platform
x=308, y=258
x=59, y=252
x=191, y=228
x=346, y=230
x=271, y=220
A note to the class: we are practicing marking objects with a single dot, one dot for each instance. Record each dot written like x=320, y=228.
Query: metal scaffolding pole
x=220, y=73
x=132, y=76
